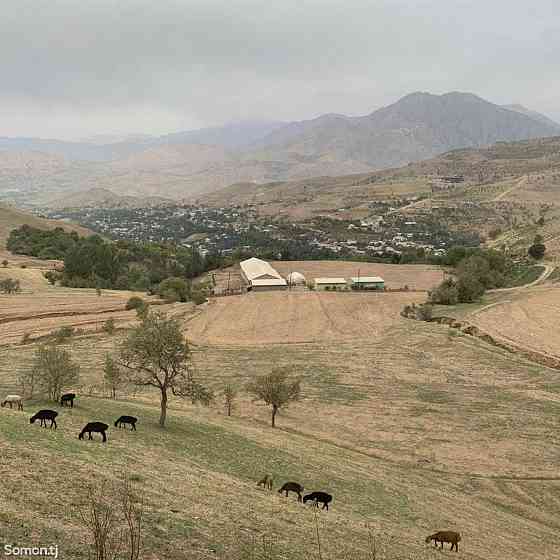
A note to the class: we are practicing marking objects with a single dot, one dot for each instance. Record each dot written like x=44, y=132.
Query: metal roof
x=330, y=281
x=254, y=268
x=367, y=279
x=269, y=282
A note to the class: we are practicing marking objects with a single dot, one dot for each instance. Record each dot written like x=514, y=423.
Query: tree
x=53, y=370
x=276, y=390
x=156, y=354
x=230, y=394
x=113, y=375
x=10, y=286
x=537, y=251
x=469, y=288
x=174, y=289
x=446, y=293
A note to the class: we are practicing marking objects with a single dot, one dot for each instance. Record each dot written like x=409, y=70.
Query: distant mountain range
x=188, y=164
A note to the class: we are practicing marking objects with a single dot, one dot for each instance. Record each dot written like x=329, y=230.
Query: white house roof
x=269, y=282
x=367, y=279
x=330, y=281
x=254, y=268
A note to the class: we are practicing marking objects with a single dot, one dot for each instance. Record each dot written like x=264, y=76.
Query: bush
x=5, y=263
x=425, y=312
x=537, y=251
x=9, y=286
x=198, y=297
x=135, y=302
x=109, y=326
x=52, y=276
x=174, y=289
x=469, y=288
x=446, y=293
x=64, y=333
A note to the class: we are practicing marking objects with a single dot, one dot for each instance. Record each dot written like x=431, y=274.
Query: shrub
x=9, y=286
x=198, y=297
x=64, y=333
x=446, y=293
x=425, y=312
x=469, y=288
x=5, y=263
x=537, y=251
x=52, y=276
x=135, y=302
x=174, y=289
x=109, y=326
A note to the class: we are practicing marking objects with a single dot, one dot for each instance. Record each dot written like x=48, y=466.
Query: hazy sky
x=73, y=68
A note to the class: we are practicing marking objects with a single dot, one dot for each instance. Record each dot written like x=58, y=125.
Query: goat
x=13, y=399
x=292, y=487
x=43, y=416
x=446, y=537
x=126, y=420
x=317, y=497
x=67, y=398
x=266, y=481
x=90, y=427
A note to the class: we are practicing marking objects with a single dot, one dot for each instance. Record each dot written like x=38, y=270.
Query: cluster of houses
x=259, y=275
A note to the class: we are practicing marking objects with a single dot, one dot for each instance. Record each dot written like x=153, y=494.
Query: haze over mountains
x=186, y=164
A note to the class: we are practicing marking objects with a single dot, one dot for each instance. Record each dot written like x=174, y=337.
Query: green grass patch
x=521, y=275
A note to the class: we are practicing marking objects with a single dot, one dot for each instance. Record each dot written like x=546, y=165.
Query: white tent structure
x=296, y=279
x=260, y=276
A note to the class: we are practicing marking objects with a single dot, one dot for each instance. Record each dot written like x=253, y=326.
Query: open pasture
x=527, y=318
x=297, y=316
x=412, y=431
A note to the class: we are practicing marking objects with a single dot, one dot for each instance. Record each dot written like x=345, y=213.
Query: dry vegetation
x=411, y=427
x=528, y=318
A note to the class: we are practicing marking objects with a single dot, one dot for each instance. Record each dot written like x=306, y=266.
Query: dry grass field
x=297, y=316
x=412, y=427
x=528, y=318
x=416, y=277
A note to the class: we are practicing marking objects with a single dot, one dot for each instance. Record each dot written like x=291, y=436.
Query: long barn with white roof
x=260, y=276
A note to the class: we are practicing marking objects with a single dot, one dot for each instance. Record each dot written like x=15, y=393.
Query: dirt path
x=545, y=274
x=517, y=185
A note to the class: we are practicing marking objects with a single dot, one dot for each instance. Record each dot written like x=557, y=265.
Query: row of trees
x=154, y=354
x=92, y=262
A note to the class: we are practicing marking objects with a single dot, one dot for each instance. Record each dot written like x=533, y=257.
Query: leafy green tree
x=446, y=293
x=156, y=354
x=53, y=370
x=276, y=390
x=174, y=289
x=469, y=288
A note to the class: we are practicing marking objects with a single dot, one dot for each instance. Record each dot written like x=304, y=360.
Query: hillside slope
x=188, y=164
x=10, y=219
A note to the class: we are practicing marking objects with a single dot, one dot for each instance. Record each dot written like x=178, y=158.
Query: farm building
x=296, y=279
x=260, y=276
x=326, y=284
x=367, y=283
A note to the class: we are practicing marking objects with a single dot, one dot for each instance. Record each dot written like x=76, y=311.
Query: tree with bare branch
x=156, y=354
x=275, y=389
x=230, y=394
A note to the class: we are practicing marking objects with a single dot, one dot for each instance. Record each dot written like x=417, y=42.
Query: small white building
x=296, y=279
x=367, y=283
x=330, y=284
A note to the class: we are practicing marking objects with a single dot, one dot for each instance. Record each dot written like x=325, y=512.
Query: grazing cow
x=292, y=487
x=446, y=537
x=67, y=399
x=13, y=399
x=90, y=427
x=319, y=497
x=43, y=416
x=266, y=482
x=126, y=420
